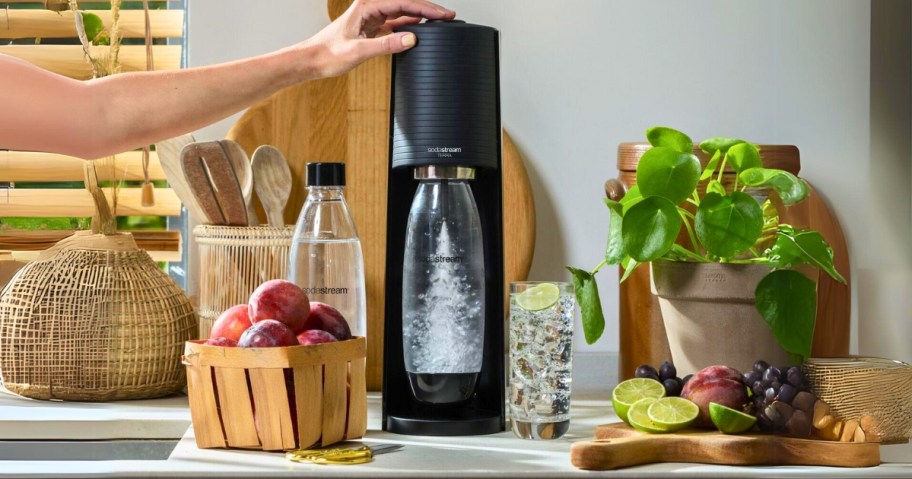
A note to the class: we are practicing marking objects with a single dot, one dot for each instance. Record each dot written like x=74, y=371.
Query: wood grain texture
x=618, y=445
x=212, y=179
x=235, y=408
x=42, y=167
x=243, y=172
x=272, y=181
x=335, y=402
x=207, y=426
x=169, y=154
x=69, y=60
x=56, y=203
x=641, y=329
x=47, y=24
x=308, y=382
x=273, y=413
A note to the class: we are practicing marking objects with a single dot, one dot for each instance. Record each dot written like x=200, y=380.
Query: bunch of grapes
x=781, y=399
x=667, y=375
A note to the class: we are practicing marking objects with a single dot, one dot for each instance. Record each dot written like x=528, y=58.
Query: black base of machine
x=462, y=423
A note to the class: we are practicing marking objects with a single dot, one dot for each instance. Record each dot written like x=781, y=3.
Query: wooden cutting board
x=618, y=445
x=346, y=119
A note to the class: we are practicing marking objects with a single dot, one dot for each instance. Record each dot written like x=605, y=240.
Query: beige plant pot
x=710, y=317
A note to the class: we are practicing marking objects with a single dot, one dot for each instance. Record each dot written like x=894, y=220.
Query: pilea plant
x=726, y=225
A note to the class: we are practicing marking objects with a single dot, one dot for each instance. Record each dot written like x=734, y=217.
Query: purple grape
x=770, y=395
x=647, y=371
x=787, y=392
x=771, y=374
x=794, y=377
x=761, y=366
x=750, y=377
x=686, y=378
x=672, y=387
x=667, y=371
x=757, y=388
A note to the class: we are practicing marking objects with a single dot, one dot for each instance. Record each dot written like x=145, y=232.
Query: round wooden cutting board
x=346, y=119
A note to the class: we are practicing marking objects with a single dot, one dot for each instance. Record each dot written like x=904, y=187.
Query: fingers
x=392, y=9
x=391, y=25
x=385, y=45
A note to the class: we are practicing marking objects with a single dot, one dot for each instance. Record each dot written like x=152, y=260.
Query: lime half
x=638, y=417
x=630, y=391
x=730, y=421
x=673, y=413
x=538, y=297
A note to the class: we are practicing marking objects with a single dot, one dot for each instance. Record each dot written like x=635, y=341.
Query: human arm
x=42, y=111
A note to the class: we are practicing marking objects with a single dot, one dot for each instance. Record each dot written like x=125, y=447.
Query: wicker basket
x=856, y=387
x=233, y=261
x=93, y=319
x=277, y=398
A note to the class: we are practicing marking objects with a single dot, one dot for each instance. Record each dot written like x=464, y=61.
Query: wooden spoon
x=169, y=157
x=212, y=180
x=241, y=165
x=273, y=182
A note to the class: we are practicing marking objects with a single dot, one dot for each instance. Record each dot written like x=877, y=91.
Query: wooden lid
x=783, y=157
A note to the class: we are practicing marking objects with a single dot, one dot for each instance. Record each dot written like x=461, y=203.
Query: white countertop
x=499, y=455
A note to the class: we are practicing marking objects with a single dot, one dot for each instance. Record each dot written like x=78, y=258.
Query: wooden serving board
x=618, y=445
x=346, y=119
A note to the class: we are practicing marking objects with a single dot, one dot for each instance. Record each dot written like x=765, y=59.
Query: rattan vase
x=93, y=319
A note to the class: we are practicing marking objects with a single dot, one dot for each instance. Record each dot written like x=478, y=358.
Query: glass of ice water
x=541, y=354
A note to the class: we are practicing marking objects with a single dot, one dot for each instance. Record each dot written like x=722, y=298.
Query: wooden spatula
x=618, y=445
x=240, y=162
x=169, y=154
x=272, y=181
x=212, y=180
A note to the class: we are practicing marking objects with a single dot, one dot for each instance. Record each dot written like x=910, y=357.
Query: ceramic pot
x=710, y=317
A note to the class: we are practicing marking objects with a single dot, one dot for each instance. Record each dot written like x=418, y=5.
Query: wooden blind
x=27, y=33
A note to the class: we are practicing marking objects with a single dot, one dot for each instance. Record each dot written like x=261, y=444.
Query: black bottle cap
x=326, y=174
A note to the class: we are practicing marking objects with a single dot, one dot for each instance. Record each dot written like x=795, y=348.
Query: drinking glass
x=541, y=354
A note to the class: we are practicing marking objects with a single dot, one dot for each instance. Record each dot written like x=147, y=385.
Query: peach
x=232, y=323
x=724, y=391
x=327, y=318
x=266, y=334
x=315, y=336
x=710, y=372
x=282, y=301
x=222, y=341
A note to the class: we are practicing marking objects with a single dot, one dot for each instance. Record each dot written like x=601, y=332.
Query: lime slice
x=730, y=421
x=673, y=413
x=539, y=297
x=632, y=390
x=638, y=416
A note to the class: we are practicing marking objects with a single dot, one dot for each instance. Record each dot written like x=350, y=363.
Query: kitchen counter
x=499, y=455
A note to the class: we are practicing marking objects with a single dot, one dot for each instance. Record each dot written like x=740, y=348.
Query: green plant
x=726, y=224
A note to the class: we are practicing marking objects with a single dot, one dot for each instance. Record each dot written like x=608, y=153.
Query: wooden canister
x=641, y=330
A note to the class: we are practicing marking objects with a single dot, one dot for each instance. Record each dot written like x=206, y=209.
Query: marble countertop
x=498, y=455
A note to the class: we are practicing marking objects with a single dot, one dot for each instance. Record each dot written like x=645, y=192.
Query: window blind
x=35, y=184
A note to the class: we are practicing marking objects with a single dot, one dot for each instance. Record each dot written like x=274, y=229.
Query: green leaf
x=728, y=225
x=718, y=144
x=715, y=186
x=743, y=156
x=711, y=166
x=93, y=25
x=614, y=252
x=631, y=198
x=803, y=247
x=669, y=138
x=649, y=228
x=629, y=264
x=667, y=173
x=789, y=187
x=587, y=296
x=787, y=301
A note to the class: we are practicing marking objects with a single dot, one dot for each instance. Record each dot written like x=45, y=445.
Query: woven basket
x=856, y=387
x=93, y=319
x=277, y=398
x=233, y=261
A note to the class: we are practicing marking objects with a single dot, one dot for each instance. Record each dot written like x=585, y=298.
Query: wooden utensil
x=240, y=163
x=213, y=182
x=169, y=154
x=272, y=181
x=618, y=445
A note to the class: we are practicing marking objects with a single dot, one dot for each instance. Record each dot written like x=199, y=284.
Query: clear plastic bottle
x=326, y=259
x=443, y=288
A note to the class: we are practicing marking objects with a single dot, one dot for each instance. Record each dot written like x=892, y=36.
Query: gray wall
x=579, y=77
